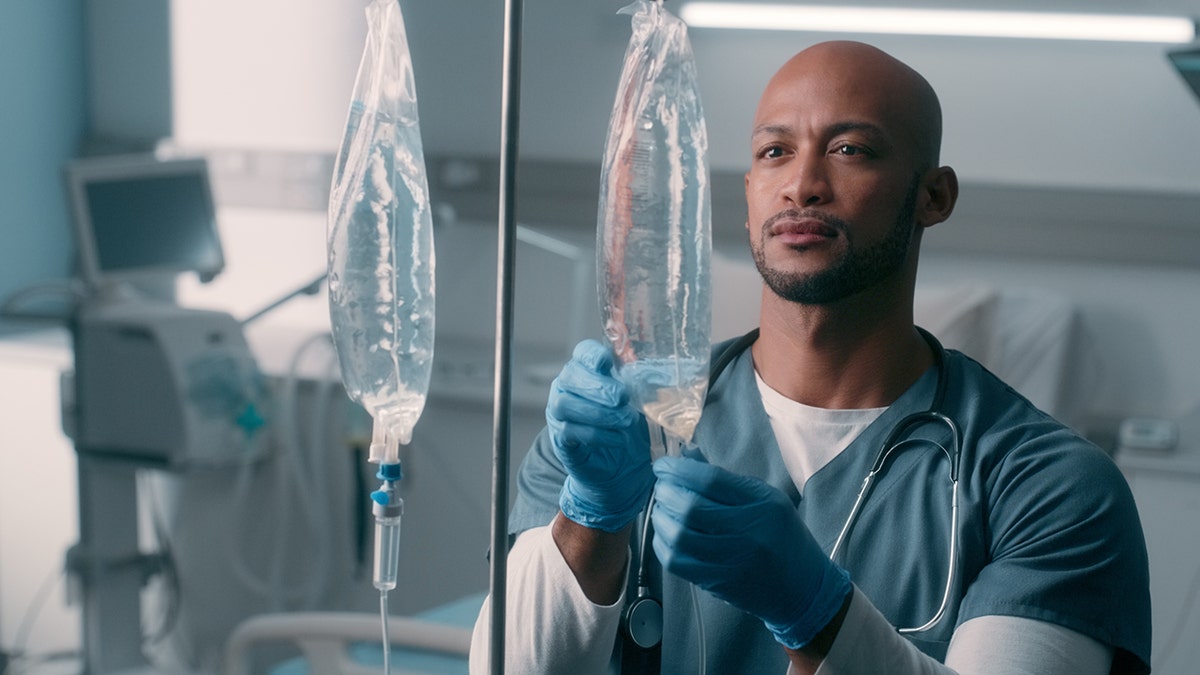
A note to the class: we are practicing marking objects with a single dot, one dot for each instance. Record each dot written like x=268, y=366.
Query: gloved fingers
x=743, y=541
x=568, y=406
x=718, y=485
x=681, y=547
x=701, y=571
x=572, y=436
x=594, y=356
x=699, y=513
x=589, y=375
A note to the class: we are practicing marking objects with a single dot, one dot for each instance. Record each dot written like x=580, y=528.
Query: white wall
x=1018, y=112
x=38, y=504
x=265, y=74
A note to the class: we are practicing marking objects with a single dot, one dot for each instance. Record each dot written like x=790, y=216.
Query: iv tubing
x=669, y=444
x=293, y=472
x=383, y=619
x=701, y=642
x=505, y=246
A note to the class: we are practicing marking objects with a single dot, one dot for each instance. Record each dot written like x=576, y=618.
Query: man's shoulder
x=1005, y=427
x=978, y=390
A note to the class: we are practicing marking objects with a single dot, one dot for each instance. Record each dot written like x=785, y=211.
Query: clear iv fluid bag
x=653, y=230
x=380, y=241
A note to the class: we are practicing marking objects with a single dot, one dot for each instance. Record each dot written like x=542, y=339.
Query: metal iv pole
x=506, y=247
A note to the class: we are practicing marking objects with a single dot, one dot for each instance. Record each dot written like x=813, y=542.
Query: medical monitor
x=1187, y=62
x=138, y=216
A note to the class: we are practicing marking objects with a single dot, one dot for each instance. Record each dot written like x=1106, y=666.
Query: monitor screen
x=1187, y=62
x=139, y=215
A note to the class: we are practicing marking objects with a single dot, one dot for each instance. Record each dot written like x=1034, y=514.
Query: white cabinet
x=1166, y=486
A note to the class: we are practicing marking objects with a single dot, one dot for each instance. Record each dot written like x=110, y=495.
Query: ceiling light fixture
x=1045, y=25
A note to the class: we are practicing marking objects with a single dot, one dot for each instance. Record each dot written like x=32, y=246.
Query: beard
x=856, y=271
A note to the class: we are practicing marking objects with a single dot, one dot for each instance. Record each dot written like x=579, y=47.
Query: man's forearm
x=596, y=558
x=864, y=642
x=805, y=661
x=551, y=627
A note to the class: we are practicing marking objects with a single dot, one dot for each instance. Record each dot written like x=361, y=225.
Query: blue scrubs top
x=1048, y=527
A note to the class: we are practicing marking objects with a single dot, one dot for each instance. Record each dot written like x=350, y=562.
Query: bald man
x=1043, y=569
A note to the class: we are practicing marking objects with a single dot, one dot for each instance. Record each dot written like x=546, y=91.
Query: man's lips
x=800, y=230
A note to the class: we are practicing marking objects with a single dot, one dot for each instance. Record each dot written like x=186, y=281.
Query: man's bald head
x=872, y=77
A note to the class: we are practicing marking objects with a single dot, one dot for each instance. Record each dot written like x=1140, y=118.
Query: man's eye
x=772, y=152
x=850, y=150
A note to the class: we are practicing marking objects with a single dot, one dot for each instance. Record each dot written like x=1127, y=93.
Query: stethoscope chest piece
x=644, y=622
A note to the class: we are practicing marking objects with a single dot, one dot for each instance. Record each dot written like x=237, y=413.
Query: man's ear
x=746, y=187
x=940, y=193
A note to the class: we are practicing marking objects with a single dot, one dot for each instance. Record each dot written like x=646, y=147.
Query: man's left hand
x=742, y=540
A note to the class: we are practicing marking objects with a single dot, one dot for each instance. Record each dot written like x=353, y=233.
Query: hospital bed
x=347, y=643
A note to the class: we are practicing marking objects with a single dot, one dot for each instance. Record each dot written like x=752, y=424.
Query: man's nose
x=808, y=184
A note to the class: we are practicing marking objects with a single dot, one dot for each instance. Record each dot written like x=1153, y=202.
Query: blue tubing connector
x=390, y=472
x=387, y=502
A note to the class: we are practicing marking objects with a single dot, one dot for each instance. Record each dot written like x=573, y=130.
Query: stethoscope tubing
x=953, y=455
x=951, y=572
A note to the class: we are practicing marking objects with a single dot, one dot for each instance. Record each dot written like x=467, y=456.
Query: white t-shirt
x=808, y=437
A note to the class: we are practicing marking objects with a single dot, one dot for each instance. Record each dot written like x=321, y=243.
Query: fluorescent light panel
x=1046, y=25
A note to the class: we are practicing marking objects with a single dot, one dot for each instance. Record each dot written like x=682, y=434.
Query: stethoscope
x=953, y=454
x=643, y=618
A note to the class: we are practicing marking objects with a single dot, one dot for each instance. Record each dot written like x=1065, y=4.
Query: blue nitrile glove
x=742, y=540
x=600, y=439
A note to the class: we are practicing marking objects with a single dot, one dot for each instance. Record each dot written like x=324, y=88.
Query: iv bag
x=380, y=241
x=653, y=227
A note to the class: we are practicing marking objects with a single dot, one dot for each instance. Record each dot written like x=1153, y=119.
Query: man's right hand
x=600, y=439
